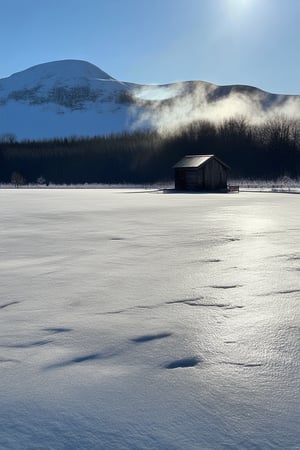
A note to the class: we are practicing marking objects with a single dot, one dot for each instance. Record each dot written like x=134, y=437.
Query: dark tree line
x=267, y=151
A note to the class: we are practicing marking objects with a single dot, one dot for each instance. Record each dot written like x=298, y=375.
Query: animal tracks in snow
x=27, y=344
x=143, y=339
x=57, y=330
x=242, y=364
x=150, y=337
x=6, y=305
x=226, y=286
x=199, y=303
x=76, y=360
x=196, y=301
x=283, y=292
x=288, y=291
x=294, y=258
x=183, y=363
x=8, y=360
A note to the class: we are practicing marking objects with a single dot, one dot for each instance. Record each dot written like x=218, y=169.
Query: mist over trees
x=267, y=151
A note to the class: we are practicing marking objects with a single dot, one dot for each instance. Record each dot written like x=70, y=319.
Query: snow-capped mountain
x=70, y=97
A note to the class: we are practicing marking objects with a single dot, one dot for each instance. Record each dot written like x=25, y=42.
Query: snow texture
x=135, y=319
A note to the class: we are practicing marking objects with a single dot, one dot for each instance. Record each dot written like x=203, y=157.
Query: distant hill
x=75, y=98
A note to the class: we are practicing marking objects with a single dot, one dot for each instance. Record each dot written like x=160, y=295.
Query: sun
x=239, y=10
x=247, y=3
x=241, y=5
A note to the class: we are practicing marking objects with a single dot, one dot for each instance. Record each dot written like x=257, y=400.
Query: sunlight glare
x=238, y=9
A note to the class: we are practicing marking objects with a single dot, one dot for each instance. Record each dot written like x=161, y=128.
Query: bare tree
x=17, y=179
x=8, y=138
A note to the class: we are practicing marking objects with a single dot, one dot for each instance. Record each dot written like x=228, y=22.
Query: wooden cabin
x=201, y=173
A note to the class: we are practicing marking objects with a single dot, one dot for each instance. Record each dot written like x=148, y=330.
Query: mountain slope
x=70, y=97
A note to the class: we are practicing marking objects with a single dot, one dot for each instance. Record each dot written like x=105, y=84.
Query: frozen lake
x=148, y=320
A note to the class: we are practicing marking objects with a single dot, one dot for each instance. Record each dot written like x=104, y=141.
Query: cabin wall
x=188, y=179
x=215, y=175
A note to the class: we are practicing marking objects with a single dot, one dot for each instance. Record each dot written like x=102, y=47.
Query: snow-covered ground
x=133, y=319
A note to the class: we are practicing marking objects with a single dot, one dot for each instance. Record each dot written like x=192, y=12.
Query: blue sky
x=254, y=42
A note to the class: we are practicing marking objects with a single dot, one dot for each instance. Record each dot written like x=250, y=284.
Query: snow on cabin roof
x=193, y=161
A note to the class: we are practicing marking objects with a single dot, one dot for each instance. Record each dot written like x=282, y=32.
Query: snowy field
x=146, y=320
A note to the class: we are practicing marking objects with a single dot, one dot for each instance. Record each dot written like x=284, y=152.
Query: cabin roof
x=195, y=161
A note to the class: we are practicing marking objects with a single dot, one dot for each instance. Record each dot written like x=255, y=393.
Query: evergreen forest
x=267, y=151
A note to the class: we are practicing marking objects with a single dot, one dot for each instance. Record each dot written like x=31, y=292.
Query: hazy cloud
x=172, y=106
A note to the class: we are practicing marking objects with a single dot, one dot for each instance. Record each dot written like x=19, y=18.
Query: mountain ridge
x=74, y=97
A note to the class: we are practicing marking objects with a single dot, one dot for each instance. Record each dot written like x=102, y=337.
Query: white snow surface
x=57, y=72
x=135, y=319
